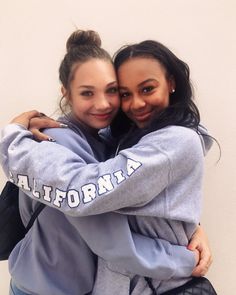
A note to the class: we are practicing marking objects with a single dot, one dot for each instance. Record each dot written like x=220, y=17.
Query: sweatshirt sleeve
x=56, y=176
x=108, y=235
x=124, y=251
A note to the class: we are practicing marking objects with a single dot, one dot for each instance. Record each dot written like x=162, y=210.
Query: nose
x=102, y=103
x=137, y=103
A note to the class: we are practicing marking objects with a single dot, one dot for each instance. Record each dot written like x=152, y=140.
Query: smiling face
x=93, y=94
x=144, y=89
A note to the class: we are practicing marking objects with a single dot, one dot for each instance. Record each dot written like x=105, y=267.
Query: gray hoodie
x=158, y=180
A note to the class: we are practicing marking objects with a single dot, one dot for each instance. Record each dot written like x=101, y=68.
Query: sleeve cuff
x=184, y=261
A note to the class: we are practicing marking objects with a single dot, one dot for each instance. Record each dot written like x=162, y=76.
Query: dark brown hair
x=182, y=110
x=81, y=46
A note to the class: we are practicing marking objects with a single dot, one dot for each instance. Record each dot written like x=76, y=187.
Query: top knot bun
x=80, y=38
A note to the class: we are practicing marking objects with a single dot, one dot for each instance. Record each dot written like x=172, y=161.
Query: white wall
x=202, y=32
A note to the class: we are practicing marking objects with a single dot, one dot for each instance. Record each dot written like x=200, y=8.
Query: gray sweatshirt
x=166, y=203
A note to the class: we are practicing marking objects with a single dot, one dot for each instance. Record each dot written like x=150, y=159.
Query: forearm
x=56, y=176
x=60, y=178
x=132, y=253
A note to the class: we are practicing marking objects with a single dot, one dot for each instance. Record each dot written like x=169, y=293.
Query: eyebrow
x=114, y=82
x=86, y=86
x=140, y=84
x=92, y=87
x=146, y=81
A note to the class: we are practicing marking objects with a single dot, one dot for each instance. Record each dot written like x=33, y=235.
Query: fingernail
x=51, y=139
x=62, y=125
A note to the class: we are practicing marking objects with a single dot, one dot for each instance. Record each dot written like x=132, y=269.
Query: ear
x=66, y=95
x=171, y=84
x=63, y=91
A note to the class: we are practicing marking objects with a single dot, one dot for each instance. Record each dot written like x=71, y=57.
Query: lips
x=104, y=116
x=142, y=116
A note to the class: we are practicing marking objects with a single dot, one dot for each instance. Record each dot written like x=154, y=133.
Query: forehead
x=94, y=71
x=141, y=68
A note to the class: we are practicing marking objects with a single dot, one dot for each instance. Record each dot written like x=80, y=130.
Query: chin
x=101, y=125
x=142, y=125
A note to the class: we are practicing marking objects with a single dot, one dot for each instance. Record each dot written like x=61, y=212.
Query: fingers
x=197, y=256
x=32, y=114
x=25, y=117
x=193, y=244
x=200, y=270
x=42, y=123
x=35, y=121
x=38, y=135
x=200, y=242
x=204, y=262
x=39, y=123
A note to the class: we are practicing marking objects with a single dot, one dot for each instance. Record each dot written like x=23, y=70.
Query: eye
x=147, y=89
x=124, y=95
x=86, y=93
x=112, y=90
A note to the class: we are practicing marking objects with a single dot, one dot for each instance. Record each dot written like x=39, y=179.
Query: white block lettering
x=119, y=176
x=73, y=198
x=89, y=192
x=132, y=166
x=47, y=193
x=104, y=184
x=23, y=182
x=35, y=193
x=60, y=196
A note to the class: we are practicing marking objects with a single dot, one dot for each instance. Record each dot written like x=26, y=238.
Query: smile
x=142, y=117
x=102, y=116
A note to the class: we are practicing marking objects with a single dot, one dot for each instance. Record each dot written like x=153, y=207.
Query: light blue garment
x=14, y=290
x=154, y=172
x=53, y=258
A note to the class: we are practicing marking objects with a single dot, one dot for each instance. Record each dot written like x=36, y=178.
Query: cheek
x=124, y=106
x=79, y=106
x=161, y=100
x=166, y=101
x=116, y=102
